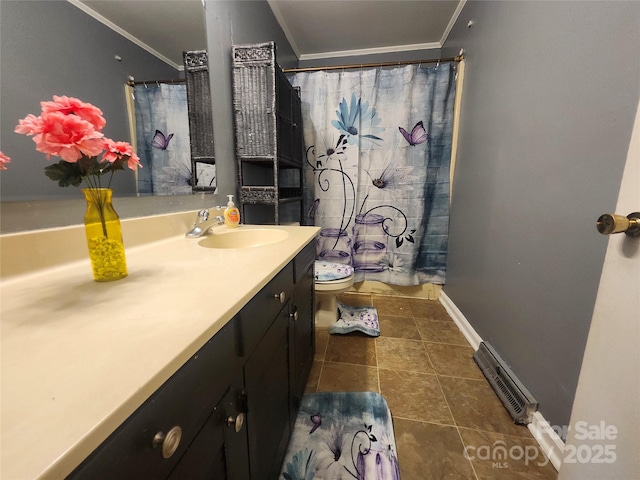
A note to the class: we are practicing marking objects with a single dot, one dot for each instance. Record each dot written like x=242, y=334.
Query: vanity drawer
x=185, y=401
x=256, y=317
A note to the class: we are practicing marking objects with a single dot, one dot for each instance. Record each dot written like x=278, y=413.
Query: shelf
x=269, y=161
x=268, y=130
x=269, y=195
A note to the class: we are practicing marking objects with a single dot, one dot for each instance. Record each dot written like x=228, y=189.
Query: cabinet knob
x=294, y=315
x=237, y=422
x=280, y=296
x=168, y=442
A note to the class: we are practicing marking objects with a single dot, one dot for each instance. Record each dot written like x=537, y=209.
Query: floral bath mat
x=342, y=435
x=356, y=319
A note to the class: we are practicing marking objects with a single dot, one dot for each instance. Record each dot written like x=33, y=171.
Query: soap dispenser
x=231, y=214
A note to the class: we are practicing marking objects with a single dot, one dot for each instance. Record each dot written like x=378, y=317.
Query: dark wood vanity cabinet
x=228, y=412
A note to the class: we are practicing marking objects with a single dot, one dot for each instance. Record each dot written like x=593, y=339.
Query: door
x=266, y=375
x=301, y=338
x=220, y=449
x=604, y=436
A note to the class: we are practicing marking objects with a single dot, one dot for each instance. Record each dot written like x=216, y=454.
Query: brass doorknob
x=611, y=223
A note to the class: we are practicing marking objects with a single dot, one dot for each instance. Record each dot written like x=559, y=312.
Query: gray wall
x=53, y=48
x=550, y=93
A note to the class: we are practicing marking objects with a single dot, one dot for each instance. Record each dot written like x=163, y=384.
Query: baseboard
x=549, y=441
x=547, y=438
x=428, y=291
x=463, y=324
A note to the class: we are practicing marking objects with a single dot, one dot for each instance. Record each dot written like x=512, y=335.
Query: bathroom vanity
x=191, y=367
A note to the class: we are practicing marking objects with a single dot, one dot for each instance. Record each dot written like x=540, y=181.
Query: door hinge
x=243, y=400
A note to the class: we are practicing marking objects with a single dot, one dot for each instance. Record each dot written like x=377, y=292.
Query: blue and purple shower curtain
x=378, y=146
x=162, y=137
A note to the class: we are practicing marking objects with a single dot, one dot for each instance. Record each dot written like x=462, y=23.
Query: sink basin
x=240, y=238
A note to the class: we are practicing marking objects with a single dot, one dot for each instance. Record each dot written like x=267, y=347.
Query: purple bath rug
x=356, y=319
x=342, y=436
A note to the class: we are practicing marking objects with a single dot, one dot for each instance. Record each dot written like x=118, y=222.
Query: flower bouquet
x=72, y=130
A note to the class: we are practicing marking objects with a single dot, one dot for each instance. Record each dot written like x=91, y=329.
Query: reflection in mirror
x=203, y=169
x=161, y=137
x=54, y=48
x=173, y=131
x=164, y=134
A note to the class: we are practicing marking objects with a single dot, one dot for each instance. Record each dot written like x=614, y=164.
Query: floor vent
x=516, y=398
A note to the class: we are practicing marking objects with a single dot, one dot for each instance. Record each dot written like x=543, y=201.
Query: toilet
x=331, y=279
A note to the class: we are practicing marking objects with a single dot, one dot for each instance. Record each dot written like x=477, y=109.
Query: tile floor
x=439, y=400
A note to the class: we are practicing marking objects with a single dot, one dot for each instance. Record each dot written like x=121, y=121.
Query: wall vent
x=516, y=398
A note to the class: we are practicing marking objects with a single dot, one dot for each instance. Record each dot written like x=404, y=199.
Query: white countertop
x=78, y=357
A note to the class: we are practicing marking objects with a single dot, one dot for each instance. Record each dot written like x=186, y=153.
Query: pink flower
x=74, y=106
x=29, y=125
x=68, y=137
x=134, y=161
x=116, y=150
x=4, y=159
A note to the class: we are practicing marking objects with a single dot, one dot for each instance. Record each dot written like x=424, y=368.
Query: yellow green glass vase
x=104, y=236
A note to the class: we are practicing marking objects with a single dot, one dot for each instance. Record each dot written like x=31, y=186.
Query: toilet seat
x=331, y=272
x=334, y=284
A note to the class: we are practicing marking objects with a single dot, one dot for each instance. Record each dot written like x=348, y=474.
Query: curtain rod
x=370, y=65
x=151, y=82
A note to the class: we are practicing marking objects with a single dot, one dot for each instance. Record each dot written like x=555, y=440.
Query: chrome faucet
x=204, y=222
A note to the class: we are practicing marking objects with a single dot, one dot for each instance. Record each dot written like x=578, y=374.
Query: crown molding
x=108, y=23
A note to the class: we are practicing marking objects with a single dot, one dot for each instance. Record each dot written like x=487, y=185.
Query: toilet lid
x=328, y=271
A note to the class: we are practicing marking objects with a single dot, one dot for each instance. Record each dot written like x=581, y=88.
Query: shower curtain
x=378, y=146
x=162, y=137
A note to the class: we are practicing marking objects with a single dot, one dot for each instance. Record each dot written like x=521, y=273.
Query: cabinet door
x=267, y=383
x=220, y=449
x=177, y=410
x=258, y=315
x=301, y=338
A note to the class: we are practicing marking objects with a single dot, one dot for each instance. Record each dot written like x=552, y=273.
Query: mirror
x=33, y=69
x=57, y=48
